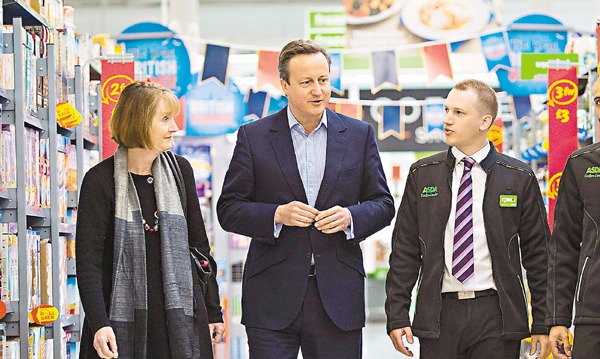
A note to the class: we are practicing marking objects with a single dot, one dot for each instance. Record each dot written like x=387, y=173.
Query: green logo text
x=430, y=191
x=592, y=172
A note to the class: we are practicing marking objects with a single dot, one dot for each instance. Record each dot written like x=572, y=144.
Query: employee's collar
x=486, y=163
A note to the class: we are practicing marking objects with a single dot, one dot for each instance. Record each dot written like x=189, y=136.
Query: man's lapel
x=281, y=140
x=336, y=149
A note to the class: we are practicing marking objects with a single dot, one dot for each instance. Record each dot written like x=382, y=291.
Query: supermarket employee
x=574, y=268
x=307, y=185
x=466, y=219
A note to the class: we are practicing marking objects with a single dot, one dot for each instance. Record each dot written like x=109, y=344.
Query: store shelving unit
x=12, y=201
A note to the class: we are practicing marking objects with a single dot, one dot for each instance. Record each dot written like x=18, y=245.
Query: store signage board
x=534, y=66
x=531, y=34
x=115, y=77
x=326, y=26
x=562, y=127
x=213, y=109
x=159, y=55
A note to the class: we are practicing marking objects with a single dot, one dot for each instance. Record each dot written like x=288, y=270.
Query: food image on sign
x=438, y=19
x=444, y=15
x=369, y=11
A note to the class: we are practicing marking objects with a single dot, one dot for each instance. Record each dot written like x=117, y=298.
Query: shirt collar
x=477, y=156
x=292, y=120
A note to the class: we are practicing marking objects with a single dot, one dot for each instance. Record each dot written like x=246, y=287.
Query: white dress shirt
x=482, y=278
x=311, y=152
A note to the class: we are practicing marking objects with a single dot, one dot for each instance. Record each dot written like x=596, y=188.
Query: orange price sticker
x=2, y=309
x=44, y=314
x=112, y=87
x=562, y=92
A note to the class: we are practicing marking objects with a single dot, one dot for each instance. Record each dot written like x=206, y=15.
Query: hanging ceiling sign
x=213, y=109
x=530, y=34
x=159, y=55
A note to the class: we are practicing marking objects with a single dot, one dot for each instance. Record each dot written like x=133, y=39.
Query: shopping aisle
x=377, y=345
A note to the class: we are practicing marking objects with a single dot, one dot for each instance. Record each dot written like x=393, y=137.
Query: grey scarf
x=129, y=312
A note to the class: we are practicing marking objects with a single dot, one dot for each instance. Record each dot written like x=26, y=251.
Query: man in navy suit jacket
x=307, y=185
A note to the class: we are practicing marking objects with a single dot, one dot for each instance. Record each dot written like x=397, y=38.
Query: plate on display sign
x=359, y=12
x=441, y=19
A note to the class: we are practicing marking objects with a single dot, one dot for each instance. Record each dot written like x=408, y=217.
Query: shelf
x=90, y=142
x=18, y=8
x=37, y=212
x=12, y=312
x=66, y=229
x=5, y=193
x=4, y=97
x=67, y=132
x=70, y=320
x=33, y=122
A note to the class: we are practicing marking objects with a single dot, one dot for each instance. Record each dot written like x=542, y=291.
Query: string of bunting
x=434, y=56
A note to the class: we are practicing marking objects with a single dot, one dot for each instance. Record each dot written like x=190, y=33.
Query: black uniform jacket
x=574, y=268
x=516, y=229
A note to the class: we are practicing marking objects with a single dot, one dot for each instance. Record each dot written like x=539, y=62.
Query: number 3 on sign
x=563, y=115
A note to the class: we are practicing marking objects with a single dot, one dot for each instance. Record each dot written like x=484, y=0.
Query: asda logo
x=592, y=172
x=430, y=191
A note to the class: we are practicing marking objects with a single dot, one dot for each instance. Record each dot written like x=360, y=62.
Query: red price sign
x=562, y=127
x=115, y=77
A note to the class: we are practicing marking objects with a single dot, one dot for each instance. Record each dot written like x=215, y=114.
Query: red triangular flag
x=267, y=73
x=437, y=61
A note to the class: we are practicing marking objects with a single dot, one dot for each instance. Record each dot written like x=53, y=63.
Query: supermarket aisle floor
x=377, y=345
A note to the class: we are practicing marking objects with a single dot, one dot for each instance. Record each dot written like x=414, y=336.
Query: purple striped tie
x=463, y=265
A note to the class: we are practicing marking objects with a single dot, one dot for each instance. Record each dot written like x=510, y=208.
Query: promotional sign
x=67, y=115
x=530, y=35
x=376, y=24
x=115, y=77
x=562, y=125
x=326, y=26
x=418, y=127
x=213, y=109
x=161, y=59
x=43, y=314
x=199, y=157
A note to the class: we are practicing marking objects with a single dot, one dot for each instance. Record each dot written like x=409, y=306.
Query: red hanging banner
x=562, y=125
x=115, y=77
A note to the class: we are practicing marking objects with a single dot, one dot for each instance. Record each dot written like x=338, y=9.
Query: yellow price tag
x=66, y=115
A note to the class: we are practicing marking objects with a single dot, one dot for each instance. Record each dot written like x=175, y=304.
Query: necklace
x=147, y=227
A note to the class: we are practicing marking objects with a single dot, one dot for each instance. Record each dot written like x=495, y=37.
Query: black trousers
x=470, y=329
x=586, y=342
x=312, y=331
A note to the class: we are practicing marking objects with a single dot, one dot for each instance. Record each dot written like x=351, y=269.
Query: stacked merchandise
x=33, y=269
x=32, y=168
x=8, y=169
x=46, y=271
x=9, y=258
x=63, y=144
